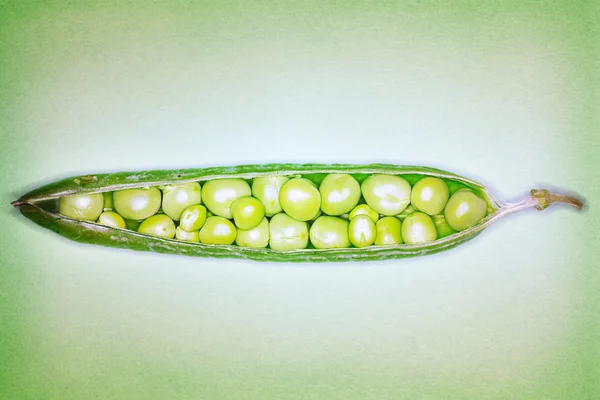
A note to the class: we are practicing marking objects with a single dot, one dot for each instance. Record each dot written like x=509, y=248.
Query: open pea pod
x=39, y=206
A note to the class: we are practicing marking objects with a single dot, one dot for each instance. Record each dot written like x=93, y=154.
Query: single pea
x=406, y=212
x=388, y=231
x=132, y=224
x=464, y=209
x=218, y=230
x=339, y=194
x=266, y=189
x=286, y=233
x=443, y=229
x=87, y=207
x=430, y=195
x=186, y=236
x=193, y=218
x=111, y=218
x=257, y=237
x=178, y=197
x=386, y=194
x=329, y=233
x=362, y=231
x=218, y=194
x=137, y=204
x=247, y=212
x=108, y=201
x=363, y=209
x=418, y=228
x=300, y=199
x=158, y=225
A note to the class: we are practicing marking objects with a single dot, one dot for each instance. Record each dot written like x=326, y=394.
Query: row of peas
x=287, y=213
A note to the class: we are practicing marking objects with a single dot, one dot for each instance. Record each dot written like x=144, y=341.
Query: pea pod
x=39, y=206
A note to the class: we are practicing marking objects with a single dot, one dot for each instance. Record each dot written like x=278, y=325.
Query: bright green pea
x=218, y=194
x=177, y=197
x=388, y=231
x=137, y=204
x=266, y=189
x=339, y=194
x=218, y=230
x=430, y=195
x=193, y=218
x=247, y=212
x=418, y=228
x=362, y=231
x=108, y=201
x=132, y=224
x=286, y=233
x=257, y=237
x=186, y=236
x=329, y=233
x=111, y=218
x=300, y=199
x=386, y=194
x=158, y=225
x=443, y=229
x=87, y=207
x=363, y=209
x=464, y=209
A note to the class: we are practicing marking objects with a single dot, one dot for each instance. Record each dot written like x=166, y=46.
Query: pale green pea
x=186, y=236
x=177, y=197
x=108, y=201
x=218, y=230
x=257, y=237
x=388, y=231
x=362, y=231
x=406, y=212
x=247, y=212
x=218, y=194
x=193, y=218
x=158, y=225
x=418, y=228
x=300, y=199
x=339, y=194
x=363, y=209
x=443, y=229
x=266, y=189
x=386, y=194
x=137, y=204
x=286, y=233
x=464, y=209
x=430, y=195
x=132, y=224
x=329, y=233
x=111, y=218
x=87, y=207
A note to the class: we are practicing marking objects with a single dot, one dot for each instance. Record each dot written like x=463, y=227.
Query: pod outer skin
x=92, y=233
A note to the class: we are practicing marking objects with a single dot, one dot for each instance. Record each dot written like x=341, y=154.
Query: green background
x=504, y=94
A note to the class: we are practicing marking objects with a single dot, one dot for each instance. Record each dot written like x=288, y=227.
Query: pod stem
x=545, y=198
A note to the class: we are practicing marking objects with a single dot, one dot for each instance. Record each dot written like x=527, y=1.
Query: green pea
x=329, y=233
x=418, y=228
x=430, y=195
x=158, y=225
x=177, y=197
x=362, y=231
x=443, y=229
x=137, y=204
x=406, y=212
x=193, y=218
x=339, y=194
x=386, y=194
x=286, y=233
x=218, y=194
x=186, y=236
x=247, y=212
x=132, y=224
x=388, y=231
x=111, y=218
x=363, y=209
x=87, y=207
x=464, y=209
x=257, y=237
x=300, y=199
x=108, y=201
x=218, y=230
x=266, y=189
